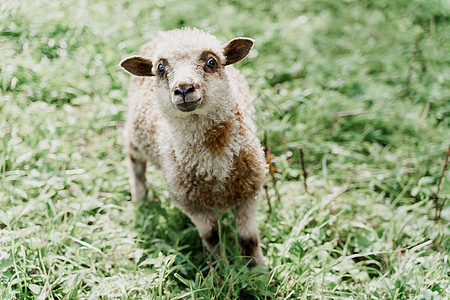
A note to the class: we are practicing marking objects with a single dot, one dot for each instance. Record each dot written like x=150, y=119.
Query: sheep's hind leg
x=137, y=181
x=248, y=233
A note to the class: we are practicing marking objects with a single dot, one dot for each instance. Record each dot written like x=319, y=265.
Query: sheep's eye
x=161, y=68
x=211, y=62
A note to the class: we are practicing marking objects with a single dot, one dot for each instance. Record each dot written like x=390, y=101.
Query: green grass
x=366, y=228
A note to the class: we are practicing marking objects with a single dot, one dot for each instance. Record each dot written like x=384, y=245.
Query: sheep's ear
x=237, y=49
x=137, y=65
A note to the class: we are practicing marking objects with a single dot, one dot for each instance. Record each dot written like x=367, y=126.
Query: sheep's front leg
x=208, y=229
x=138, y=185
x=248, y=233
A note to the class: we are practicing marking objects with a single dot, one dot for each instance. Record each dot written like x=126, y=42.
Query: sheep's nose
x=184, y=90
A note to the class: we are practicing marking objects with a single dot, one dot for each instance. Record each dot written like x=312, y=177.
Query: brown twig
x=410, y=69
x=272, y=169
x=274, y=182
x=432, y=28
x=420, y=56
x=438, y=207
x=346, y=113
x=305, y=173
x=269, y=163
x=417, y=56
x=266, y=188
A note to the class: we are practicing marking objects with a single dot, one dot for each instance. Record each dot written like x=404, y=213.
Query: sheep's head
x=189, y=69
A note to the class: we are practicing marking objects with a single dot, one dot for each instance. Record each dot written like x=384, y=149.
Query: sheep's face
x=187, y=78
x=190, y=78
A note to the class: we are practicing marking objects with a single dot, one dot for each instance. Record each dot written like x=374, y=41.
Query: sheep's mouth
x=189, y=106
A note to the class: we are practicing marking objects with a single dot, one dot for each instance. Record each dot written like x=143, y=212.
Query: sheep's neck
x=204, y=133
x=207, y=146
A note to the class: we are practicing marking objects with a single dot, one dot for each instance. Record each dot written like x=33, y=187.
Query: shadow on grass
x=165, y=229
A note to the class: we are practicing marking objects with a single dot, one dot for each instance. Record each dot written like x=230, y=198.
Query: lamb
x=190, y=114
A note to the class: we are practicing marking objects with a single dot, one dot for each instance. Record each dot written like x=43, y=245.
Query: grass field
x=361, y=87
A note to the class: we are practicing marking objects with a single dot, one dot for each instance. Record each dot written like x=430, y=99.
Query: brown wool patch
x=246, y=175
x=180, y=167
x=245, y=178
x=240, y=118
x=184, y=56
x=217, y=138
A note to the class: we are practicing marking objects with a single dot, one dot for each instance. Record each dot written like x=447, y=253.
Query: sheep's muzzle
x=187, y=96
x=188, y=106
